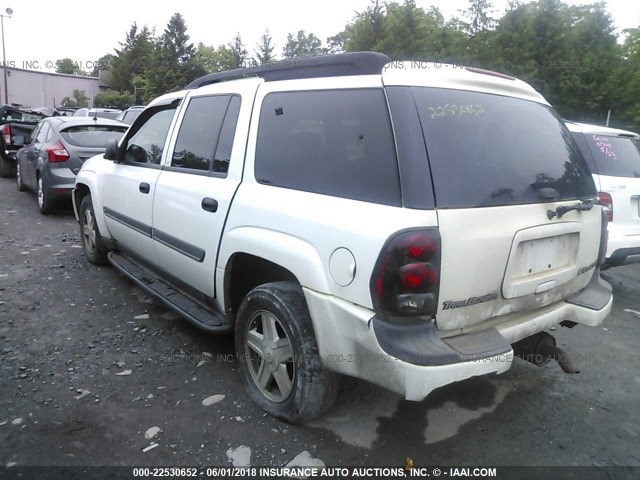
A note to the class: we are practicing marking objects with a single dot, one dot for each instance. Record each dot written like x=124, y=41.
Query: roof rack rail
x=343, y=64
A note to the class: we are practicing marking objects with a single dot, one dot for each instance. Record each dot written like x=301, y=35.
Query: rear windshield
x=96, y=136
x=111, y=115
x=615, y=156
x=490, y=150
x=21, y=117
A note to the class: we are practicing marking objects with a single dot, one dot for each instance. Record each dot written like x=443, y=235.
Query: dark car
x=55, y=151
x=15, y=127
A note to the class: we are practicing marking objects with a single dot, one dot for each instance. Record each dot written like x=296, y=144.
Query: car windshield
x=129, y=116
x=490, y=150
x=95, y=136
x=615, y=156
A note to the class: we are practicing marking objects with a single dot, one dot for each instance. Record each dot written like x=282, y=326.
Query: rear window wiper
x=583, y=206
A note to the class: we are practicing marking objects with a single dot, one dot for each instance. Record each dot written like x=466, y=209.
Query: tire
x=21, y=187
x=297, y=388
x=44, y=202
x=94, y=248
x=5, y=168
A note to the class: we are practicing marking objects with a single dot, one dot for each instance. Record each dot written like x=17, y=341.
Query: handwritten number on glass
x=604, y=146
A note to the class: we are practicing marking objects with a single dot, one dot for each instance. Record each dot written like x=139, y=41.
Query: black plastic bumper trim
x=420, y=343
x=595, y=296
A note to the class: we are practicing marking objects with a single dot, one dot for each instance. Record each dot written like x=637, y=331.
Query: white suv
x=614, y=159
x=401, y=223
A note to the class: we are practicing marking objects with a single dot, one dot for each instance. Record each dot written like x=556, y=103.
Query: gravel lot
x=94, y=372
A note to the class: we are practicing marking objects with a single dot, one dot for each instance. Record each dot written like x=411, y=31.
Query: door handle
x=144, y=187
x=209, y=204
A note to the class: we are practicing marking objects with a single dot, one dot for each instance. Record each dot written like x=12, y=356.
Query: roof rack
x=343, y=64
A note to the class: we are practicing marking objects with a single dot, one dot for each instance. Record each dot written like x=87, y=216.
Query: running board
x=191, y=310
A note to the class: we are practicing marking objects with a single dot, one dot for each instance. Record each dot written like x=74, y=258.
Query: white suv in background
x=614, y=159
x=410, y=225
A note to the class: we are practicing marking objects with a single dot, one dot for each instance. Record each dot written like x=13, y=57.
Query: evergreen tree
x=479, y=15
x=172, y=64
x=238, y=52
x=366, y=31
x=264, y=53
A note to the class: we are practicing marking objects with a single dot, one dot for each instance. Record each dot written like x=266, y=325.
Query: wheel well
x=244, y=272
x=80, y=191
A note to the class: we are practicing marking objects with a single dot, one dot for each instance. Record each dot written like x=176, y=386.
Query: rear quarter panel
x=300, y=230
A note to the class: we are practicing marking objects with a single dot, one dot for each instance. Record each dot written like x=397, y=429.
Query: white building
x=45, y=89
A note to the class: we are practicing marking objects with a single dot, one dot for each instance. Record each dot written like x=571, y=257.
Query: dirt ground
x=90, y=365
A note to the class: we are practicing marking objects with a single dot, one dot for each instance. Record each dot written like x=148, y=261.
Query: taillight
x=406, y=277
x=6, y=133
x=606, y=201
x=57, y=153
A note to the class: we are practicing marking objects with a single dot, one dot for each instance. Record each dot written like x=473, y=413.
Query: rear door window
x=227, y=133
x=491, y=150
x=615, y=156
x=332, y=142
x=199, y=132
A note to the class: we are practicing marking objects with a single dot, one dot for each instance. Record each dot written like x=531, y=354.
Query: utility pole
x=8, y=12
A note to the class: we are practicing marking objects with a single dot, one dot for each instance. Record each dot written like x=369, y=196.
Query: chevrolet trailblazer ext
x=412, y=227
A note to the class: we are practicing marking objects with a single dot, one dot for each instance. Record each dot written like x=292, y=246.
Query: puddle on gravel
x=365, y=414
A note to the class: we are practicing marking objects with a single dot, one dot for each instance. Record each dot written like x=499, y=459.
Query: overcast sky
x=45, y=30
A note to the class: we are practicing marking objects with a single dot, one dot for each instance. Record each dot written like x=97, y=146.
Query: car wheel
x=19, y=178
x=44, y=202
x=279, y=359
x=94, y=248
x=5, y=168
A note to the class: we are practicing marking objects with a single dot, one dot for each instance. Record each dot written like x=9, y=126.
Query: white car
x=412, y=225
x=97, y=112
x=614, y=159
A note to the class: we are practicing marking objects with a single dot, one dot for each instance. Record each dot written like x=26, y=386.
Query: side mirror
x=113, y=151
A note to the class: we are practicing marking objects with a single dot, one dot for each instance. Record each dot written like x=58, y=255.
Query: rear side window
x=199, y=132
x=43, y=133
x=490, y=150
x=333, y=142
x=615, y=156
x=94, y=136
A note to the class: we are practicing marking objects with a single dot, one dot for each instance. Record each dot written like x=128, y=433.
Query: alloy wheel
x=269, y=356
x=89, y=232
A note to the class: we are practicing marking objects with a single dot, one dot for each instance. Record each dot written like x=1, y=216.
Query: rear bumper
x=354, y=342
x=59, y=182
x=619, y=247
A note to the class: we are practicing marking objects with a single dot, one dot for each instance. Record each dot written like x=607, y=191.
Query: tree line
x=571, y=54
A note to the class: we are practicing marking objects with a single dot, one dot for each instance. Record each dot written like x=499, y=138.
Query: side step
x=193, y=311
